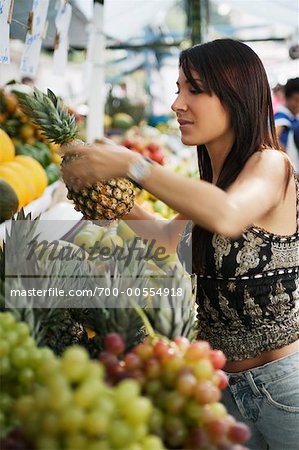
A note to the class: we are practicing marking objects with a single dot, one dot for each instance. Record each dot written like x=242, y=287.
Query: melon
x=8, y=201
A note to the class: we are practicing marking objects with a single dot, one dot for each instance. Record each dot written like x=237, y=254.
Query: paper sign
x=4, y=32
x=62, y=22
x=33, y=42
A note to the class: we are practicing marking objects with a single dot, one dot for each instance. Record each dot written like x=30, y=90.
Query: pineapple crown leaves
x=49, y=113
x=172, y=316
x=38, y=319
x=15, y=247
x=110, y=314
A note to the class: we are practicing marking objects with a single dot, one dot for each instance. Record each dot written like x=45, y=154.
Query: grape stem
x=142, y=315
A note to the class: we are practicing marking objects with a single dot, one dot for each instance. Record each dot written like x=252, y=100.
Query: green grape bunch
x=71, y=406
x=19, y=362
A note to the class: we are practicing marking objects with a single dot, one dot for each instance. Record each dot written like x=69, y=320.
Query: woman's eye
x=196, y=91
x=177, y=92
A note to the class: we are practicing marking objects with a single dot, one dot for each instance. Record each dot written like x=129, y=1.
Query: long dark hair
x=235, y=74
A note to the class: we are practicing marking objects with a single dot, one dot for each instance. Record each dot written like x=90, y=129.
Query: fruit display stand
x=36, y=207
x=100, y=366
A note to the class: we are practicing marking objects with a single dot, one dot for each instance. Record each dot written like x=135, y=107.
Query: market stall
x=98, y=326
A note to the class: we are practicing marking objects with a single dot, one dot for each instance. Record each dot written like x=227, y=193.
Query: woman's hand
x=95, y=162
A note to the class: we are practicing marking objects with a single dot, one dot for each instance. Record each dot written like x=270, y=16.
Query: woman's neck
x=218, y=151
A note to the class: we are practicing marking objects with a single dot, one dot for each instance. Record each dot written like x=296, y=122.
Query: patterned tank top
x=248, y=296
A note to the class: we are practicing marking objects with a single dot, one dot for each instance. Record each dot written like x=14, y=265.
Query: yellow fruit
x=124, y=231
x=90, y=333
x=3, y=117
x=53, y=147
x=26, y=131
x=25, y=176
x=37, y=171
x=30, y=141
x=55, y=158
x=107, y=121
x=110, y=241
x=148, y=206
x=39, y=134
x=13, y=179
x=7, y=149
x=11, y=103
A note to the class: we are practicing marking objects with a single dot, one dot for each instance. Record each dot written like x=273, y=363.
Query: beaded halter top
x=248, y=296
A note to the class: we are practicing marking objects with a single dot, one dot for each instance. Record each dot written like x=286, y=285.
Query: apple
x=111, y=241
x=148, y=206
x=129, y=143
x=153, y=147
x=158, y=157
x=138, y=147
x=167, y=260
x=89, y=236
x=161, y=208
x=124, y=231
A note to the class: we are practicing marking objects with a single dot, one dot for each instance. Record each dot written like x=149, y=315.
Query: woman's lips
x=185, y=123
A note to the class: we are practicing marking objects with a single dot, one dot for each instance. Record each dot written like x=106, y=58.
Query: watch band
x=139, y=170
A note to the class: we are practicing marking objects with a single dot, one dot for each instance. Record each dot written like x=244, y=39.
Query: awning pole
x=96, y=85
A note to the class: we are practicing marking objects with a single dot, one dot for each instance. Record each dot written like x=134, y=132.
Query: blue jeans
x=266, y=398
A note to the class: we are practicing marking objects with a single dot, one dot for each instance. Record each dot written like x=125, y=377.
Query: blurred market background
x=119, y=67
x=113, y=65
x=143, y=39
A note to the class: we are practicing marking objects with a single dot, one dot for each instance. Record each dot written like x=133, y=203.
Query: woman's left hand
x=94, y=163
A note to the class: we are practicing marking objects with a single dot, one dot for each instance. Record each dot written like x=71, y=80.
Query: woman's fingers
x=88, y=164
x=78, y=173
x=69, y=150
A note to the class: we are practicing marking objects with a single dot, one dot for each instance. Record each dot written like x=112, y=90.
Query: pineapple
x=170, y=315
x=116, y=315
x=53, y=327
x=105, y=200
x=49, y=320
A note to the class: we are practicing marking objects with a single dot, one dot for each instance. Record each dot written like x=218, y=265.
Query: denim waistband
x=270, y=371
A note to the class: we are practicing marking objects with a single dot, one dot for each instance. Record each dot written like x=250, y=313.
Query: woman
x=245, y=230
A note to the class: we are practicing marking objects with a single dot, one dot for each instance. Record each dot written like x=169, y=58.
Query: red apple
x=153, y=147
x=158, y=157
x=128, y=143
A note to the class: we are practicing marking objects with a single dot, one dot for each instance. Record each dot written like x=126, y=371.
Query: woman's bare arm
x=166, y=233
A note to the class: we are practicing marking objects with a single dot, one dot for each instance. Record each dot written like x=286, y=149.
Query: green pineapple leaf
x=46, y=111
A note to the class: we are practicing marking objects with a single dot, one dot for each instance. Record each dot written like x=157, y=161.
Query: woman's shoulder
x=267, y=154
x=269, y=162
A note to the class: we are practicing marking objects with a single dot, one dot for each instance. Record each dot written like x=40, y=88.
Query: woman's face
x=202, y=117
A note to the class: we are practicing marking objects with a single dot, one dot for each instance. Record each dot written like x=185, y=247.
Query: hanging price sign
x=61, y=43
x=36, y=27
x=4, y=31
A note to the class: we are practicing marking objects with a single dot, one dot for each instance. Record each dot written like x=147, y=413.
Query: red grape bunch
x=184, y=381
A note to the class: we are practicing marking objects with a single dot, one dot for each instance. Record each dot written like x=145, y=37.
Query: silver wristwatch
x=139, y=170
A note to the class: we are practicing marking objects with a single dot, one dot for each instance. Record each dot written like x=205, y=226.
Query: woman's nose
x=178, y=105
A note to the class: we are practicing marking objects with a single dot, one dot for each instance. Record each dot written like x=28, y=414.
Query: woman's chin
x=187, y=141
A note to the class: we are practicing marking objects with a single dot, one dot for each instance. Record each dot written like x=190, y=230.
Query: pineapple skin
x=108, y=200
